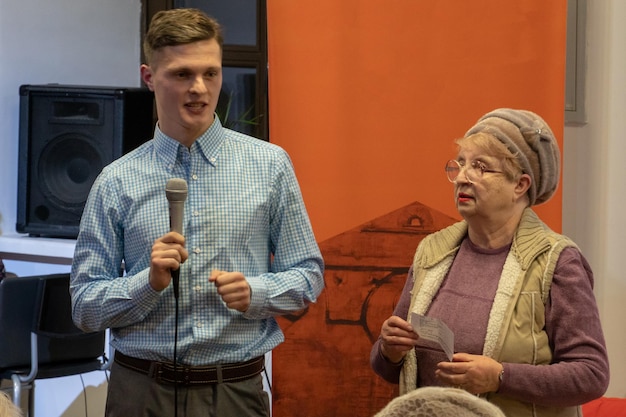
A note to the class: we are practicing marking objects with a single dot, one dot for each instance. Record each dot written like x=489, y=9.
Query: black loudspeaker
x=67, y=134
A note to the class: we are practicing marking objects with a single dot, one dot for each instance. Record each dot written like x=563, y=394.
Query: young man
x=246, y=252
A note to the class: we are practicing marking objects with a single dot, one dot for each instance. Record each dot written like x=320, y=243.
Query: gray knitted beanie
x=439, y=402
x=531, y=140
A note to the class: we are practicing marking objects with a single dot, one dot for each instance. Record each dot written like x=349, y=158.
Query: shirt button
x=196, y=250
x=212, y=160
x=197, y=288
x=196, y=213
x=194, y=177
x=199, y=324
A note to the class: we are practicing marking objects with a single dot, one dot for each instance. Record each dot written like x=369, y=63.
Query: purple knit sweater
x=579, y=371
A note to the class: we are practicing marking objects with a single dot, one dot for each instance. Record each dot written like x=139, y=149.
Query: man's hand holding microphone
x=168, y=253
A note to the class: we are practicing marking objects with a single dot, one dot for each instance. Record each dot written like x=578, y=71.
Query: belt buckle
x=155, y=371
x=165, y=373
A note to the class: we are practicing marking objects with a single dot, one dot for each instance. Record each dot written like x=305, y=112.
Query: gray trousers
x=132, y=393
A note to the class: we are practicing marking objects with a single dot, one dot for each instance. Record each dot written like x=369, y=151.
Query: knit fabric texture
x=439, y=402
x=531, y=140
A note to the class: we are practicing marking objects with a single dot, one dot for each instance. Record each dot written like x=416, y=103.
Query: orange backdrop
x=368, y=96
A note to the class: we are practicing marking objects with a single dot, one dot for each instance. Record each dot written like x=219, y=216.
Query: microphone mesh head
x=176, y=189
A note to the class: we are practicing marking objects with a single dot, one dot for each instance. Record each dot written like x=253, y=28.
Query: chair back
x=42, y=304
x=17, y=306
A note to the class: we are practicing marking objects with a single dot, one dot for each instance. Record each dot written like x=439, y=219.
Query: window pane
x=236, y=107
x=237, y=17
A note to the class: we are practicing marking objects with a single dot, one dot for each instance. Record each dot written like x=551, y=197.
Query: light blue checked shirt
x=244, y=205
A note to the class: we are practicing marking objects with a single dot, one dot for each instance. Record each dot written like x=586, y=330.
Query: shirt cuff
x=258, y=295
x=139, y=289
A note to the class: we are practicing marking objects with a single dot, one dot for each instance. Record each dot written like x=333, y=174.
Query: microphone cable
x=175, y=279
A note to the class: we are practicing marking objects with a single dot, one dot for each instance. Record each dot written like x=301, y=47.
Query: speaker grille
x=68, y=166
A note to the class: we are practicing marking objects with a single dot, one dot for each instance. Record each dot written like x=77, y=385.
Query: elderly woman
x=517, y=296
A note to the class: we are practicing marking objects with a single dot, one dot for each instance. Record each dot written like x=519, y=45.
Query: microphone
x=176, y=193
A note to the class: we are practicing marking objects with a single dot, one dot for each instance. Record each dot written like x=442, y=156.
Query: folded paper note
x=435, y=330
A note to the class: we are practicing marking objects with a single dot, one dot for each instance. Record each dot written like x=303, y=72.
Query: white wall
x=88, y=42
x=594, y=194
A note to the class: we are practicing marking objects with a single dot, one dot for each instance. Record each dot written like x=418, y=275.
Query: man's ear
x=146, y=76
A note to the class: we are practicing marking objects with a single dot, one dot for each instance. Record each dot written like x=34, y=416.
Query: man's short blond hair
x=179, y=27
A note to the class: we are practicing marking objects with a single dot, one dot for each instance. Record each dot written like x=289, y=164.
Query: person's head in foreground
x=439, y=402
x=7, y=408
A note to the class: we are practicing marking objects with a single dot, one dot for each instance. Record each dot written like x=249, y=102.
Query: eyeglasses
x=474, y=172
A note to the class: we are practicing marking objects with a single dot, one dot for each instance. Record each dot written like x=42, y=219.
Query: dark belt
x=163, y=372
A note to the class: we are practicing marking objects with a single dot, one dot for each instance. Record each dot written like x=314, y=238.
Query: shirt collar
x=208, y=144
